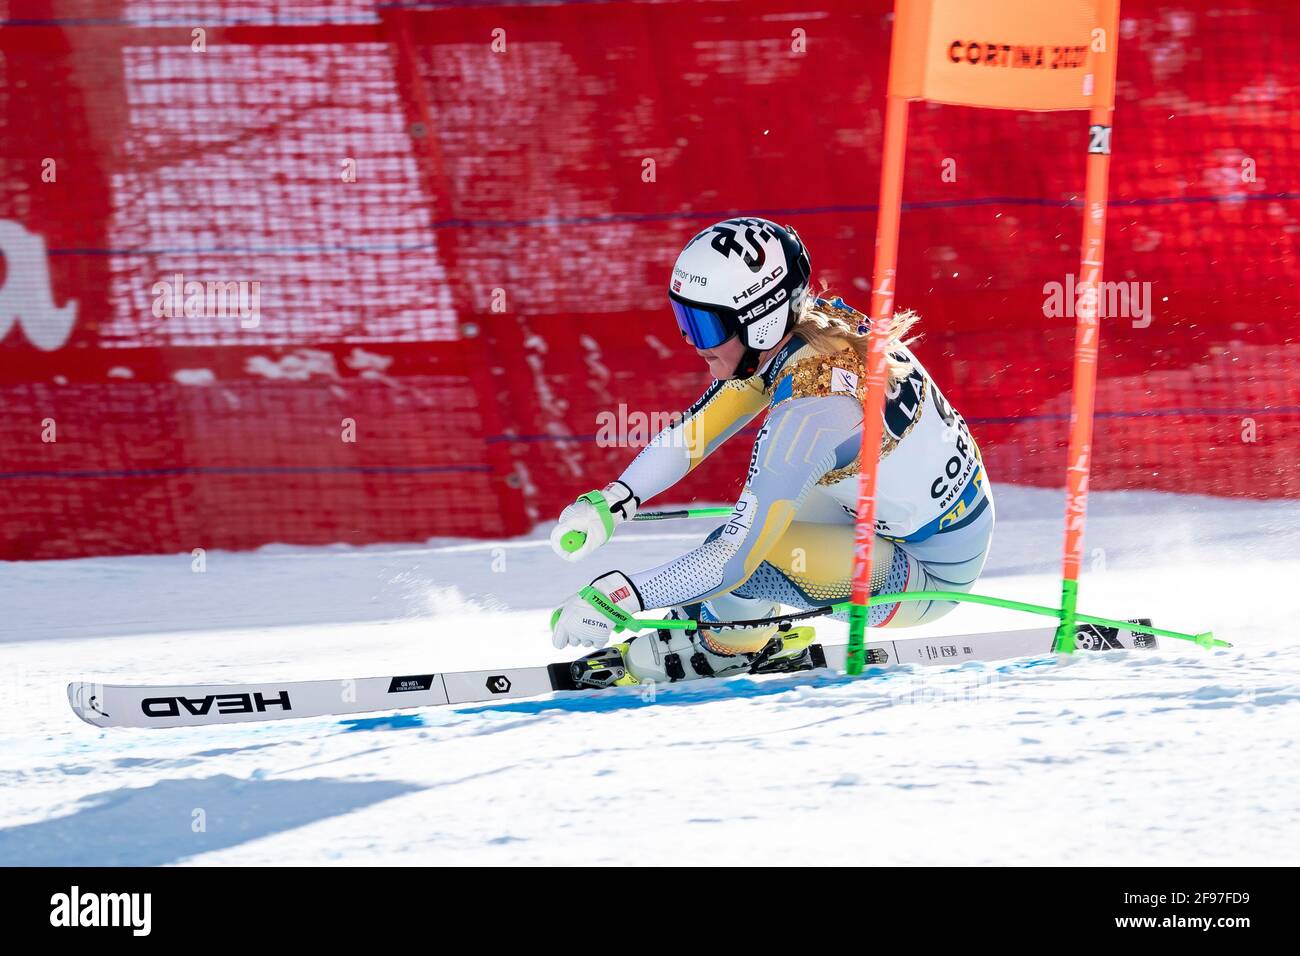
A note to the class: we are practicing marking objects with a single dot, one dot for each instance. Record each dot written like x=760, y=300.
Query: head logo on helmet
x=740, y=277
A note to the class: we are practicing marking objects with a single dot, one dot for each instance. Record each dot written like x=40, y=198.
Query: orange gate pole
x=1051, y=57
x=873, y=402
x=1087, y=339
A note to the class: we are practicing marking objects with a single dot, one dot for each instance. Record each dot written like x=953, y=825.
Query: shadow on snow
x=154, y=825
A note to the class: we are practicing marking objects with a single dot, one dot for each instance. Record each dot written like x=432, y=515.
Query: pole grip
x=571, y=541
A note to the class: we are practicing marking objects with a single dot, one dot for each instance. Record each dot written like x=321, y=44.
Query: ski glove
x=588, y=523
x=580, y=623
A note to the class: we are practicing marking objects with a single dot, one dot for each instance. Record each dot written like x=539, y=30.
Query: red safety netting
x=493, y=279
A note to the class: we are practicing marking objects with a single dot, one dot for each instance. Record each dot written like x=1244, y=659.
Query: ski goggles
x=703, y=328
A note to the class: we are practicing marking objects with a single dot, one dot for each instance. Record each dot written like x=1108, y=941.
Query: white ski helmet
x=745, y=277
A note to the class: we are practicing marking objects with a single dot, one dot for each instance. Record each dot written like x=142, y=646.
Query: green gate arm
x=1205, y=639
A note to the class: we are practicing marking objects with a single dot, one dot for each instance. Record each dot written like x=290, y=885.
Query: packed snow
x=1173, y=756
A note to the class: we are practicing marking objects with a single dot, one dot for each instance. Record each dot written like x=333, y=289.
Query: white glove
x=580, y=623
x=590, y=521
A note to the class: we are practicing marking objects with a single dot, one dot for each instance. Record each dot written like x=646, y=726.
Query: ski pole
x=1205, y=639
x=573, y=540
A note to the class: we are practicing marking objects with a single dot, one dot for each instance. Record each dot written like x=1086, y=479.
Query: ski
x=194, y=705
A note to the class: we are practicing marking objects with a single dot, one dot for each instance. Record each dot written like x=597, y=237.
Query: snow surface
x=1174, y=756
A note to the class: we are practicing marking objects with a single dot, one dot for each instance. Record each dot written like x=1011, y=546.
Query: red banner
x=352, y=272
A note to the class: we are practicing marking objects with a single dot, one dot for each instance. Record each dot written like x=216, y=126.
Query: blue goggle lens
x=703, y=328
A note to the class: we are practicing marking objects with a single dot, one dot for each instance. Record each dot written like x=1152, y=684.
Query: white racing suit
x=789, y=539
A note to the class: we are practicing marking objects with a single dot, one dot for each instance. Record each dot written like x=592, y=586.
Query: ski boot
x=688, y=654
x=772, y=648
x=683, y=656
x=673, y=656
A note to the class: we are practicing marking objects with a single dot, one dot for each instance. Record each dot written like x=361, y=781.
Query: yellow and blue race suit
x=789, y=538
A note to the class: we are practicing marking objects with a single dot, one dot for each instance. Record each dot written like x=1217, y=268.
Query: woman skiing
x=740, y=293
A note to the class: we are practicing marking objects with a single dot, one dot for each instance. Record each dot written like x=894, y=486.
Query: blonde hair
x=826, y=324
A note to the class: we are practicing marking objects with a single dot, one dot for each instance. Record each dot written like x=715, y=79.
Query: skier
x=740, y=293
